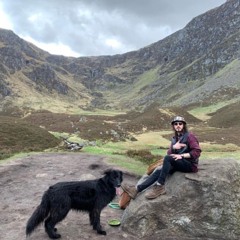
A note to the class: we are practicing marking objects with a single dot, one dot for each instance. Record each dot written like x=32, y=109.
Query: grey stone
x=203, y=205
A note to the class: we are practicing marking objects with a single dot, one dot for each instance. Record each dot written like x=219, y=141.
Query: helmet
x=178, y=119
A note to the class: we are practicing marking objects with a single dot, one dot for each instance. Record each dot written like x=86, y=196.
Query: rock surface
x=23, y=181
x=203, y=205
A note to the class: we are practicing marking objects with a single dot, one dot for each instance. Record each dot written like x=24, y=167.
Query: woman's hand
x=179, y=145
x=176, y=156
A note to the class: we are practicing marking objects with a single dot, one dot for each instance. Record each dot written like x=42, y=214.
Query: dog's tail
x=38, y=216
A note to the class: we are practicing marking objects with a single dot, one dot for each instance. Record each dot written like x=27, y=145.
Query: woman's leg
x=169, y=163
x=149, y=181
x=133, y=191
x=167, y=166
x=182, y=165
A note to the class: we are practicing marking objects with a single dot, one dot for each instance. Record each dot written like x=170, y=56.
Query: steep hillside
x=196, y=65
x=226, y=117
x=224, y=86
x=18, y=135
x=27, y=80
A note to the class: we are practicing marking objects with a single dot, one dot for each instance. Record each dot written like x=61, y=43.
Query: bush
x=144, y=156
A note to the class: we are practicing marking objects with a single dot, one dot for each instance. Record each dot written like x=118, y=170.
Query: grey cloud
x=84, y=25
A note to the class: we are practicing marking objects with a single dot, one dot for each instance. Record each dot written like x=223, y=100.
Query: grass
x=126, y=93
x=97, y=112
x=157, y=145
x=116, y=156
x=116, y=152
x=216, y=148
x=146, y=79
x=217, y=151
x=152, y=141
x=131, y=165
x=155, y=142
x=221, y=155
x=18, y=155
x=228, y=68
x=203, y=112
x=18, y=136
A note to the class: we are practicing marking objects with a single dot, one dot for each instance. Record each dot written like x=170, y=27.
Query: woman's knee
x=154, y=175
x=169, y=159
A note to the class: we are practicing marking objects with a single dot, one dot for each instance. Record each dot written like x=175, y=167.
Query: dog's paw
x=56, y=236
x=101, y=232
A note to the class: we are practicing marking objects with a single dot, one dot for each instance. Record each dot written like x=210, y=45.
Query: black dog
x=91, y=196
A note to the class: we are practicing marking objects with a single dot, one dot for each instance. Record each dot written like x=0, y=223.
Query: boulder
x=203, y=205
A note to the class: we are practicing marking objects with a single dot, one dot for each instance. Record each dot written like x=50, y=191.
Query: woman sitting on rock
x=182, y=156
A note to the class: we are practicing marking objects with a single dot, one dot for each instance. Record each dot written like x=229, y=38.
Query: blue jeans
x=170, y=165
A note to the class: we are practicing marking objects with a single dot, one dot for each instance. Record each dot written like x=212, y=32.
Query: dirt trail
x=23, y=181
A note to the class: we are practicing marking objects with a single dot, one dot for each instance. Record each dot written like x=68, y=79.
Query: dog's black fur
x=90, y=195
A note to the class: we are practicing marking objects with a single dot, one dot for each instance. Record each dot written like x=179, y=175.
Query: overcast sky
x=98, y=27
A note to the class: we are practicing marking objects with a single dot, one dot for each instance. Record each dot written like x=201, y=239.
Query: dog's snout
x=119, y=182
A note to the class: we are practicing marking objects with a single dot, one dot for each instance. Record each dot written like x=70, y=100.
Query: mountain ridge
x=199, y=64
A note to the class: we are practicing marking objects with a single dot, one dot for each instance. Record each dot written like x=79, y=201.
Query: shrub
x=144, y=156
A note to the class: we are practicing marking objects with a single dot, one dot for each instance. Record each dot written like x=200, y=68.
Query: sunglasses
x=178, y=123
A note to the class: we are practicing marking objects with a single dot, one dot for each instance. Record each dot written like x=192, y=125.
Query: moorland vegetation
x=143, y=136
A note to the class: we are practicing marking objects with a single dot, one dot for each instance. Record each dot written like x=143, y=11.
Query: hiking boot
x=131, y=190
x=156, y=191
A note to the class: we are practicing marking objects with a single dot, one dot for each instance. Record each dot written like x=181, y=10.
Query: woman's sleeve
x=195, y=150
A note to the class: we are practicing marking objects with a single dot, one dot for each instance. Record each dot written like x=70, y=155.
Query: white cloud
x=53, y=48
x=114, y=43
x=35, y=17
x=5, y=22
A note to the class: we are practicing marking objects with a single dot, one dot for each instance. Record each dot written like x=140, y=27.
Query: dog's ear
x=107, y=171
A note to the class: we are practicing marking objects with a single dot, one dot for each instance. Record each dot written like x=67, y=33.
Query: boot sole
x=156, y=196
